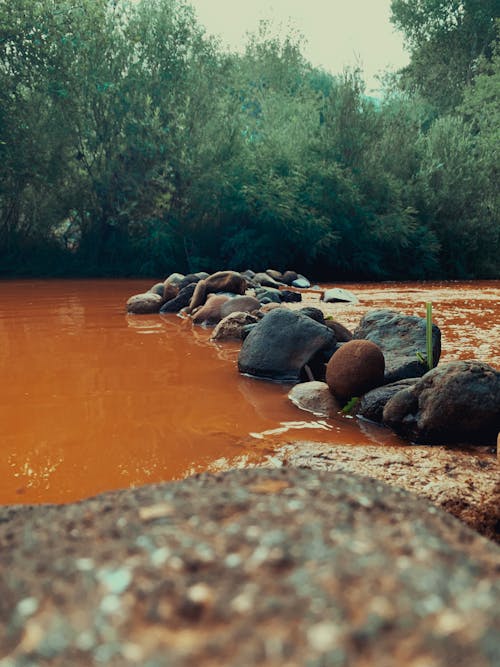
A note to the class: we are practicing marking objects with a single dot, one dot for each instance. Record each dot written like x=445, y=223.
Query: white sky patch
x=338, y=33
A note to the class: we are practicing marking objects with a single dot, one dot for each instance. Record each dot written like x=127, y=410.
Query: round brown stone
x=354, y=369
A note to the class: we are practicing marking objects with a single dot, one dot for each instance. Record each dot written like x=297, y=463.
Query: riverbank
x=116, y=401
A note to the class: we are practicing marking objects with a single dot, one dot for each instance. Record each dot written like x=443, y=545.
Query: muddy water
x=92, y=399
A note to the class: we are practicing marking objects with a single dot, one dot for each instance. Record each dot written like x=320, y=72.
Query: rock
x=144, y=304
x=221, y=281
x=371, y=406
x=211, y=311
x=247, y=329
x=187, y=280
x=232, y=325
x=281, y=344
x=288, y=277
x=455, y=402
x=354, y=369
x=267, y=307
x=465, y=485
x=314, y=313
x=268, y=295
x=342, y=334
x=314, y=397
x=242, y=304
x=174, y=279
x=250, y=568
x=170, y=291
x=337, y=294
x=301, y=281
x=289, y=296
x=275, y=275
x=180, y=301
x=249, y=274
x=157, y=288
x=265, y=280
x=399, y=337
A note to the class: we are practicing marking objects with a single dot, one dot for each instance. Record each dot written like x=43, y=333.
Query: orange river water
x=92, y=399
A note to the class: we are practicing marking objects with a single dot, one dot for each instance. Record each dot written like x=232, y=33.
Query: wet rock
x=231, y=327
x=455, y=402
x=314, y=397
x=337, y=294
x=242, y=304
x=354, y=369
x=180, y=301
x=400, y=337
x=265, y=280
x=143, y=304
x=250, y=567
x=342, y=334
x=281, y=344
x=371, y=406
x=301, y=281
x=211, y=312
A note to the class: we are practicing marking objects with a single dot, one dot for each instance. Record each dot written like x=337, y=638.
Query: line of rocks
x=380, y=364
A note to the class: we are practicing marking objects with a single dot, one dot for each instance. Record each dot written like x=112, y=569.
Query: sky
x=338, y=33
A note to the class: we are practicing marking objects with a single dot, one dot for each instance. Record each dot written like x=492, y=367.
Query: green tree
x=445, y=39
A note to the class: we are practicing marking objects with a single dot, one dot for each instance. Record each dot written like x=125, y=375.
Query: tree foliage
x=445, y=38
x=130, y=143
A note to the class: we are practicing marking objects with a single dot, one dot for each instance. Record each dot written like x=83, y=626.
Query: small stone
x=155, y=512
x=323, y=636
x=27, y=606
x=314, y=397
x=200, y=594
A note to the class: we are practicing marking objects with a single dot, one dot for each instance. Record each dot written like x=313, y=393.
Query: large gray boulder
x=247, y=568
x=281, y=344
x=400, y=337
x=456, y=402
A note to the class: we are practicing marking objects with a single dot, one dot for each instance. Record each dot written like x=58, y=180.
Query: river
x=92, y=399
